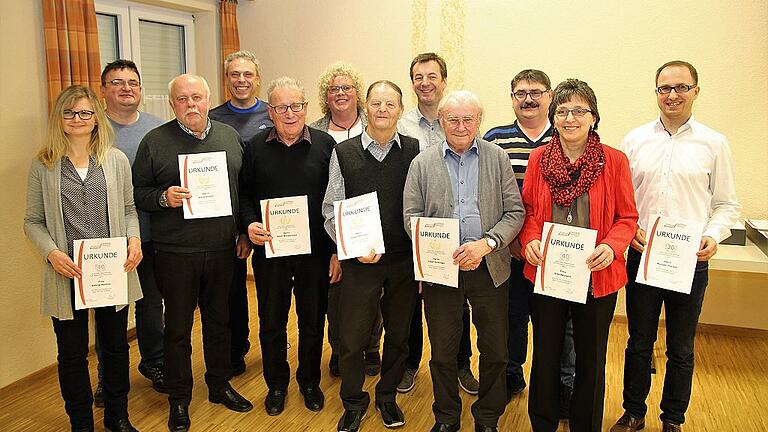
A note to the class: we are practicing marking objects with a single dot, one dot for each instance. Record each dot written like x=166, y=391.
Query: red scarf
x=567, y=181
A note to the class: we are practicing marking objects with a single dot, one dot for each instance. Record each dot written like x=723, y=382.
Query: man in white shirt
x=681, y=169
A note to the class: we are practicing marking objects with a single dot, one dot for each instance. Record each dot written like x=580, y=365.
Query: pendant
x=569, y=218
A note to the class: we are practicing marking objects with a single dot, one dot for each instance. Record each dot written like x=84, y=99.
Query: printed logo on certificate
x=358, y=226
x=206, y=177
x=669, y=258
x=434, y=241
x=287, y=220
x=103, y=281
x=563, y=272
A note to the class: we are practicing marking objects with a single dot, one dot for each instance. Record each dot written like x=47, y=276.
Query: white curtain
x=158, y=105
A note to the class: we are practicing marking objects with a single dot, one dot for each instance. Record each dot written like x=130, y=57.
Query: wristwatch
x=491, y=243
x=163, y=201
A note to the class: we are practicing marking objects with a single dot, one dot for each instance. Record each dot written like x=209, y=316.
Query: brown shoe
x=627, y=423
x=671, y=427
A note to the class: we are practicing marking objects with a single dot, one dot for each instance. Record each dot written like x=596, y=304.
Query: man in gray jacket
x=468, y=179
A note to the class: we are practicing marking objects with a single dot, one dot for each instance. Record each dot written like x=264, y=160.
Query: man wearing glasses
x=248, y=115
x=289, y=159
x=680, y=169
x=469, y=179
x=121, y=88
x=531, y=98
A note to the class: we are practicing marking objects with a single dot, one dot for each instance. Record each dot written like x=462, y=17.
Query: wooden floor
x=730, y=393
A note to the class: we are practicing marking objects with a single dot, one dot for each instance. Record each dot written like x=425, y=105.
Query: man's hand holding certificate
x=434, y=241
x=358, y=227
x=563, y=271
x=669, y=257
x=205, y=176
x=103, y=280
x=287, y=221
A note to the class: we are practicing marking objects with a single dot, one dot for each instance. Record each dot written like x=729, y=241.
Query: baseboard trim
x=719, y=329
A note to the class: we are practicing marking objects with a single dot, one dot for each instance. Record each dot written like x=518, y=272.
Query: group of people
x=429, y=161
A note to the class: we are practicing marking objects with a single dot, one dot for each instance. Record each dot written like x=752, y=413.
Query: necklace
x=569, y=218
x=347, y=128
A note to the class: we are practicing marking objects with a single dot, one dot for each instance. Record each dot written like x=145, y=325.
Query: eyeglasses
x=521, y=95
x=680, y=88
x=282, y=109
x=454, y=122
x=340, y=89
x=577, y=112
x=121, y=83
x=83, y=114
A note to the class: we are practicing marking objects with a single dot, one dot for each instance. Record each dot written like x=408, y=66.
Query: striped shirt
x=517, y=145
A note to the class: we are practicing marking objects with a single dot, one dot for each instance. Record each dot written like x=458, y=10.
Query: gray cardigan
x=44, y=226
x=428, y=193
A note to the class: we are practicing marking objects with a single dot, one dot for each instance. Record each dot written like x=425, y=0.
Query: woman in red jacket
x=576, y=180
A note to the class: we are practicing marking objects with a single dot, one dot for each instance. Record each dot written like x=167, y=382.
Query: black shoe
x=333, y=365
x=156, y=374
x=98, y=396
x=275, y=402
x=230, y=399
x=314, y=399
x=481, y=428
x=120, y=425
x=372, y=363
x=391, y=415
x=565, y=401
x=178, y=419
x=515, y=385
x=444, y=427
x=350, y=421
x=238, y=366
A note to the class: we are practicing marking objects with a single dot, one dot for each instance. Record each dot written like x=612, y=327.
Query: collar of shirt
x=244, y=110
x=425, y=120
x=305, y=136
x=200, y=136
x=367, y=140
x=448, y=151
x=689, y=125
x=541, y=135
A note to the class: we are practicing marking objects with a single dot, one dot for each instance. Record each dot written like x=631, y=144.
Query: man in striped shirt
x=531, y=97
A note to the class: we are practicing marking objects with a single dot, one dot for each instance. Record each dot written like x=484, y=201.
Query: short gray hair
x=285, y=82
x=245, y=55
x=190, y=76
x=460, y=97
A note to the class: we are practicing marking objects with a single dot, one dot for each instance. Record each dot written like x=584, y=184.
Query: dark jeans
x=74, y=380
x=333, y=323
x=189, y=280
x=591, y=325
x=416, y=339
x=388, y=285
x=520, y=292
x=238, y=310
x=682, y=315
x=443, y=309
x=307, y=277
x=149, y=313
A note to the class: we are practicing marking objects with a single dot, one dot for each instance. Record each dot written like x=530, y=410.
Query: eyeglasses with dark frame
x=577, y=112
x=282, y=109
x=346, y=89
x=521, y=95
x=122, y=83
x=83, y=114
x=679, y=88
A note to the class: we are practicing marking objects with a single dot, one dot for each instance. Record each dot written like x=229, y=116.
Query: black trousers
x=238, y=310
x=74, y=379
x=334, y=291
x=416, y=339
x=360, y=298
x=591, y=323
x=307, y=277
x=189, y=280
x=443, y=309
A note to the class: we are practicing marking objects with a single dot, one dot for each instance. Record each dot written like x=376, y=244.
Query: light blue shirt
x=415, y=125
x=463, y=171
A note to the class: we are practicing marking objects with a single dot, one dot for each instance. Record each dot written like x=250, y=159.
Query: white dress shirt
x=686, y=175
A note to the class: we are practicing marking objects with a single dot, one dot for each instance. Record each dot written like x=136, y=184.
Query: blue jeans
x=682, y=315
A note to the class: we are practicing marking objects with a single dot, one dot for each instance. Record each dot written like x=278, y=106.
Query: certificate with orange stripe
x=669, y=258
x=358, y=226
x=287, y=220
x=434, y=241
x=206, y=177
x=564, y=272
x=103, y=280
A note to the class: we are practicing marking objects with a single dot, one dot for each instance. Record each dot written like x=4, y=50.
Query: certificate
x=358, y=226
x=564, y=272
x=287, y=220
x=434, y=241
x=669, y=258
x=206, y=177
x=103, y=280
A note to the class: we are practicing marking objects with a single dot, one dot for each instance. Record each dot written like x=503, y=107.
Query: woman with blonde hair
x=342, y=102
x=80, y=187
